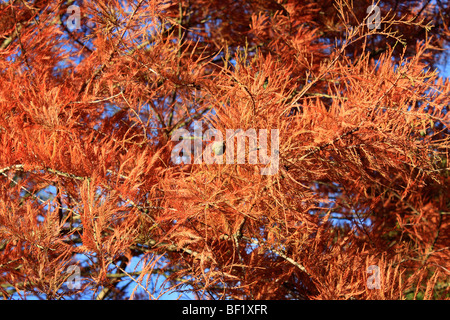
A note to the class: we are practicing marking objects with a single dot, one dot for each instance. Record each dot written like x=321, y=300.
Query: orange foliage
x=88, y=179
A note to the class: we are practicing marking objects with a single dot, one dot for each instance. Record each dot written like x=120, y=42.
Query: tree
x=95, y=204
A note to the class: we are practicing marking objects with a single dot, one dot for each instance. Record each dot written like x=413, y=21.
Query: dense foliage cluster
x=93, y=205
